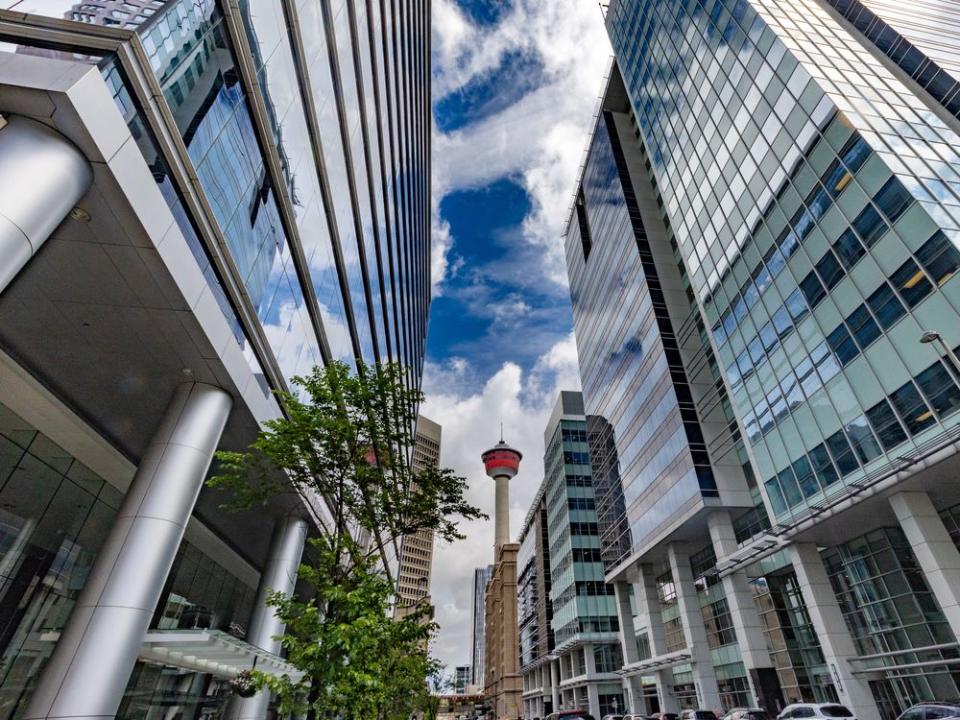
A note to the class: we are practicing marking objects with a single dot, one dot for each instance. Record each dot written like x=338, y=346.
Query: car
x=932, y=711
x=815, y=710
x=613, y=717
x=570, y=715
x=747, y=714
x=690, y=714
x=663, y=716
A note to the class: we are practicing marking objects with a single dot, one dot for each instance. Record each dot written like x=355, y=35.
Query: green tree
x=346, y=439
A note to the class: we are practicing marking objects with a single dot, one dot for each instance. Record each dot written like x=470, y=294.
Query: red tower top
x=502, y=460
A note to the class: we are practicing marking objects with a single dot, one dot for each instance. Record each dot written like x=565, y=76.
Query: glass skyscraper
x=767, y=225
x=201, y=200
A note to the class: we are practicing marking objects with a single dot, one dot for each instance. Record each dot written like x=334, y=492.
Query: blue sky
x=515, y=84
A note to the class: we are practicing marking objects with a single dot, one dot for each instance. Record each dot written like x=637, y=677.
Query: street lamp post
x=932, y=336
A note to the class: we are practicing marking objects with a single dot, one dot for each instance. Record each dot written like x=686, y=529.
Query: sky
x=515, y=85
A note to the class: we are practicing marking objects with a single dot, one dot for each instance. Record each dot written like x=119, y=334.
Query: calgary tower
x=501, y=462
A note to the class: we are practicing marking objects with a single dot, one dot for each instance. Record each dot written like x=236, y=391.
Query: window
x=823, y=466
x=829, y=270
x=842, y=344
x=848, y=249
x=911, y=407
x=911, y=283
x=812, y=289
x=893, y=199
x=864, y=443
x=842, y=453
x=939, y=388
x=863, y=326
x=940, y=258
x=796, y=306
x=791, y=490
x=776, y=497
x=886, y=425
x=835, y=711
x=886, y=306
x=718, y=624
x=586, y=241
x=805, y=477
x=870, y=226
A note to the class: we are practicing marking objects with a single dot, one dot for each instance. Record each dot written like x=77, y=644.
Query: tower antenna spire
x=501, y=431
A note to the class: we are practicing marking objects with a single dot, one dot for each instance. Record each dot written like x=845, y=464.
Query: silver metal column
x=43, y=176
x=90, y=667
x=279, y=575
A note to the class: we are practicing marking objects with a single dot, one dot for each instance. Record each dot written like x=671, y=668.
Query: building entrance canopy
x=211, y=651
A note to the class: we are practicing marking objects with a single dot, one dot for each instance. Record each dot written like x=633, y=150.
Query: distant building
x=535, y=612
x=481, y=576
x=461, y=679
x=416, y=551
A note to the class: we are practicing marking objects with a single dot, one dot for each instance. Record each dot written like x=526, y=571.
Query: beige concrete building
x=504, y=683
x=416, y=551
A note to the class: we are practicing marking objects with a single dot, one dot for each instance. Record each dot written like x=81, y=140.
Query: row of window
x=883, y=308
x=834, y=179
x=581, y=503
x=829, y=271
x=573, y=434
x=938, y=258
x=909, y=410
x=718, y=624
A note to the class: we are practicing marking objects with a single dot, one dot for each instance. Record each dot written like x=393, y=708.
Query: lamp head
x=929, y=336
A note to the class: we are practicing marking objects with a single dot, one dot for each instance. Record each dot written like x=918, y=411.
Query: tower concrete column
x=90, y=667
x=501, y=512
x=555, y=684
x=44, y=175
x=628, y=634
x=751, y=639
x=695, y=633
x=835, y=640
x=936, y=554
x=279, y=575
x=648, y=607
x=593, y=699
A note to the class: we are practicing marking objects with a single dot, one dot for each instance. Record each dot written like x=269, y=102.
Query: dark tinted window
x=886, y=306
x=911, y=407
x=842, y=344
x=911, y=283
x=893, y=199
x=863, y=326
x=838, y=711
x=939, y=256
x=812, y=289
x=829, y=270
x=939, y=388
x=886, y=425
x=870, y=225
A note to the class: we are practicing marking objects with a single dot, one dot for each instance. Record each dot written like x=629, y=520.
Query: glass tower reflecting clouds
x=775, y=184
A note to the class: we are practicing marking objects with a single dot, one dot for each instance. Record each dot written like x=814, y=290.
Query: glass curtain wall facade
x=307, y=125
x=584, y=621
x=290, y=142
x=481, y=576
x=804, y=167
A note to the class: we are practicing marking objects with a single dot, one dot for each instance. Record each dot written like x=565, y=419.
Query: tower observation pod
x=502, y=462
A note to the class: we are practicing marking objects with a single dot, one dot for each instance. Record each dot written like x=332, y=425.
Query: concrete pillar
x=555, y=684
x=44, y=175
x=279, y=574
x=751, y=638
x=593, y=700
x=835, y=640
x=648, y=606
x=90, y=667
x=628, y=635
x=695, y=633
x=501, y=515
x=590, y=661
x=936, y=553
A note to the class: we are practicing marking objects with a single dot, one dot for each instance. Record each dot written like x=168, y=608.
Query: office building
x=200, y=200
x=481, y=576
x=501, y=673
x=535, y=613
x=762, y=258
x=461, y=679
x=416, y=551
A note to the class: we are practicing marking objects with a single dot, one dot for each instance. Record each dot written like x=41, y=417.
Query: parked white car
x=829, y=711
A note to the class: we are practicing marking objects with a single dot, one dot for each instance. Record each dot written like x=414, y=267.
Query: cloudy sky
x=515, y=83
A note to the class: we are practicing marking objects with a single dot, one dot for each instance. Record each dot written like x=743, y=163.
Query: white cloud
x=538, y=140
x=440, y=244
x=471, y=424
